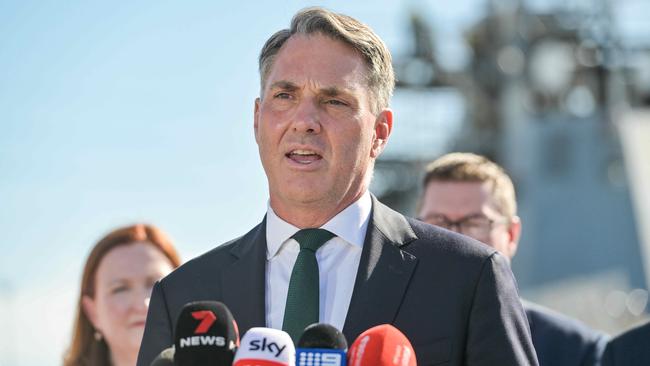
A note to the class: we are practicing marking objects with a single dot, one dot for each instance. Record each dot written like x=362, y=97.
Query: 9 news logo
x=320, y=357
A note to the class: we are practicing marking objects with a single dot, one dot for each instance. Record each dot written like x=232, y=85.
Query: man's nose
x=454, y=226
x=306, y=118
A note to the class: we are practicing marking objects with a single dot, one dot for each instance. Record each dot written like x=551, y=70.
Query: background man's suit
x=631, y=348
x=454, y=298
x=560, y=340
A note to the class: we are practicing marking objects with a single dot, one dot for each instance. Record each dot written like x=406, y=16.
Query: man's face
x=468, y=208
x=314, y=127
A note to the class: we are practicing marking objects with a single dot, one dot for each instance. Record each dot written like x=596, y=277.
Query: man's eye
x=336, y=102
x=282, y=96
x=438, y=221
x=477, y=222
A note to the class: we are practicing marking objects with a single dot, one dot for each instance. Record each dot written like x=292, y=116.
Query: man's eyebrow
x=330, y=91
x=284, y=85
x=476, y=215
x=333, y=91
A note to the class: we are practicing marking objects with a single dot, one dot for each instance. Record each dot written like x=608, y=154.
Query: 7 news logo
x=207, y=318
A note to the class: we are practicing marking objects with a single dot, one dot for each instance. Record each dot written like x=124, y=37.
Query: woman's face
x=123, y=285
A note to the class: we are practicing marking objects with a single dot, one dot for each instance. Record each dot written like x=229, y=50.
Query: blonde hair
x=340, y=27
x=468, y=167
x=84, y=349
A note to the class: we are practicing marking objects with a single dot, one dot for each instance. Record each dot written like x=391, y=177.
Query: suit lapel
x=384, y=271
x=243, y=282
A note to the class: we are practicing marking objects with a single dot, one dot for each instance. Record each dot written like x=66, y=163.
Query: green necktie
x=301, y=309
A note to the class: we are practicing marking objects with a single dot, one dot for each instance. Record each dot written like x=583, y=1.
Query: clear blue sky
x=117, y=112
x=113, y=113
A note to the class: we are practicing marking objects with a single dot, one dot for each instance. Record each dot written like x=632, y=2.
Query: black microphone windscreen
x=165, y=358
x=206, y=334
x=321, y=335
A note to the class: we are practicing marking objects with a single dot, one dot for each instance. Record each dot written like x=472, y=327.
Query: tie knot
x=312, y=239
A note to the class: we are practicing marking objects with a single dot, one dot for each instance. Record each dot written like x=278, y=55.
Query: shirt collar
x=349, y=225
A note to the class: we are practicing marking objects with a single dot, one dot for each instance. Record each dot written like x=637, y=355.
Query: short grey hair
x=380, y=76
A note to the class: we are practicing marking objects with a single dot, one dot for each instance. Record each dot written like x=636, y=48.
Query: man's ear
x=514, y=233
x=256, y=116
x=89, y=307
x=383, y=128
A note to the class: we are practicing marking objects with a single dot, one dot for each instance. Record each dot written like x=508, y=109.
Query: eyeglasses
x=476, y=226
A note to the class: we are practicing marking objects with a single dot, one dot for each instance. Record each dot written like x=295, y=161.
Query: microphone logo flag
x=320, y=357
x=207, y=318
x=205, y=334
x=266, y=345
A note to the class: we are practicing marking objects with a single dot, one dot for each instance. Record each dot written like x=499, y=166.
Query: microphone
x=321, y=345
x=206, y=334
x=165, y=358
x=383, y=345
x=266, y=347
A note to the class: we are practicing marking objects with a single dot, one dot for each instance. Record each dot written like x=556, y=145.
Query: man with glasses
x=473, y=196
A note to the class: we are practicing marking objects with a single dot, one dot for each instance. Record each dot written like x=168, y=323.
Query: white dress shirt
x=338, y=261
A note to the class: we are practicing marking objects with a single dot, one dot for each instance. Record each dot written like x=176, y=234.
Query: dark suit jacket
x=454, y=298
x=631, y=348
x=563, y=341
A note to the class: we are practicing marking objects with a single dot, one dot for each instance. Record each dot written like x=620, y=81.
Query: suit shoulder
x=629, y=348
x=560, y=327
x=424, y=240
x=217, y=257
x=459, y=256
x=440, y=241
x=636, y=335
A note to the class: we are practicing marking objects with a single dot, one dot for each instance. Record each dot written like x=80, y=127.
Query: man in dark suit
x=472, y=195
x=631, y=348
x=327, y=250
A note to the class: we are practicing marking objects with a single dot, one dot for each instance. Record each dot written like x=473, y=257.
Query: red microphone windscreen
x=383, y=345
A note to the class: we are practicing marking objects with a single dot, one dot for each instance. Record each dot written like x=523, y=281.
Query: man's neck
x=311, y=214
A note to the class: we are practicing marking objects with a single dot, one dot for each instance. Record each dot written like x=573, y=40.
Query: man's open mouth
x=303, y=156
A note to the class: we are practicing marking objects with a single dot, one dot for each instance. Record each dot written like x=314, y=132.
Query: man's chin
x=307, y=197
x=302, y=189
x=295, y=197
